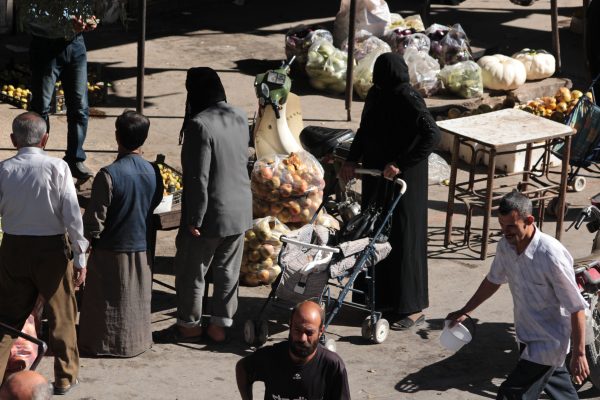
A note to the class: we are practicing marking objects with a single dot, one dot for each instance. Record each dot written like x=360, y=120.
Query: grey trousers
x=193, y=258
x=528, y=380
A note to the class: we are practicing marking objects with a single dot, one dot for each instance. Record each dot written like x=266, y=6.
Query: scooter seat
x=320, y=141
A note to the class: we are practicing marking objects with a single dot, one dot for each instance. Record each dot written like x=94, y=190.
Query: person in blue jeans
x=58, y=52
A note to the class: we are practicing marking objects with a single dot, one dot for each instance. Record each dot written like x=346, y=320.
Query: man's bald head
x=309, y=311
x=25, y=385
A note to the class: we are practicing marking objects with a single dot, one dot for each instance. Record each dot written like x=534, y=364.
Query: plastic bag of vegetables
x=363, y=73
x=396, y=21
x=436, y=33
x=364, y=44
x=415, y=22
x=287, y=187
x=261, y=248
x=463, y=79
x=455, y=46
x=326, y=67
x=400, y=40
x=423, y=70
x=299, y=39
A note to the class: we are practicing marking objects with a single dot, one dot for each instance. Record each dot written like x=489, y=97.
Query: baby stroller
x=585, y=145
x=311, y=266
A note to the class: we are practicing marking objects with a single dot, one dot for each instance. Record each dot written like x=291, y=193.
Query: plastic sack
x=326, y=67
x=299, y=39
x=364, y=44
x=436, y=33
x=396, y=21
x=363, y=74
x=287, y=187
x=400, y=40
x=415, y=22
x=23, y=352
x=439, y=170
x=463, y=79
x=371, y=15
x=423, y=71
x=261, y=250
x=455, y=47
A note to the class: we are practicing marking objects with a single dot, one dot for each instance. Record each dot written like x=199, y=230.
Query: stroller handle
x=333, y=250
x=376, y=172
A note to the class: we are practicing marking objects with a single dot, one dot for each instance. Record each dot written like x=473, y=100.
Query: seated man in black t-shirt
x=299, y=369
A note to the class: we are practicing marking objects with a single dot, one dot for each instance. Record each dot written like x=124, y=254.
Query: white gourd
x=500, y=72
x=539, y=64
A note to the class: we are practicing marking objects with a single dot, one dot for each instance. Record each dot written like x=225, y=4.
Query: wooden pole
x=555, y=36
x=586, y=40
x=350, y=63
x=141, y=53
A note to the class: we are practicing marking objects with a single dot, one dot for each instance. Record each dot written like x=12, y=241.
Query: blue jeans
x=54, y=58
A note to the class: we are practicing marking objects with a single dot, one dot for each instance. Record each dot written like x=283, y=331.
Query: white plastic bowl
x=456, y=337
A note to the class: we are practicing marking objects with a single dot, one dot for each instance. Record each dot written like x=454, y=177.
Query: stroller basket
x=305, y=269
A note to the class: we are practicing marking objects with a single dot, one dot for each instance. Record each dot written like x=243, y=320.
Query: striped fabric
x=542, y=283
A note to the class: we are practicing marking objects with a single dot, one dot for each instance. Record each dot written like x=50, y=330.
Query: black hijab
x=204, y=89
x=390, y=72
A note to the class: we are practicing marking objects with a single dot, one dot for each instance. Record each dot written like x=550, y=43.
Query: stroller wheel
x=262, y=332
x=249, y=332
x=382, y=329
x=330, y=345
x=578, y=184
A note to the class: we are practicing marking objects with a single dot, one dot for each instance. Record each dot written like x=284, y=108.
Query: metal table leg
x=488, y=204
x=562, y=192
x=451, y=191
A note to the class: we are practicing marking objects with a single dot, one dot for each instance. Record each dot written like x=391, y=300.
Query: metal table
x=498, y=133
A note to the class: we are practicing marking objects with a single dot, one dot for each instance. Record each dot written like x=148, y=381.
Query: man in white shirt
x=38, y=206
x=548, y=307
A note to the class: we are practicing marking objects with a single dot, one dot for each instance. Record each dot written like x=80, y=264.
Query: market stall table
x=495, y=134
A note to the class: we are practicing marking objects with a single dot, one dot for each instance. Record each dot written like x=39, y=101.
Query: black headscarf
x=390, y=72
x=204, y=89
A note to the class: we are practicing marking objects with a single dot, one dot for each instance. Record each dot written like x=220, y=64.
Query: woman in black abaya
x=397, y=133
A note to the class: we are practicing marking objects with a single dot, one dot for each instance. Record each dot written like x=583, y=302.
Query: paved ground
x=240, y=42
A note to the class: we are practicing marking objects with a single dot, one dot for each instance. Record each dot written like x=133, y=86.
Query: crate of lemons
x=172, y=182
x=19, y=96
x=557, y=107
x=262, y=245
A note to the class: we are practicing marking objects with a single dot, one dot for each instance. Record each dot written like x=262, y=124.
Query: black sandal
x=172, y=335
x=407, y=323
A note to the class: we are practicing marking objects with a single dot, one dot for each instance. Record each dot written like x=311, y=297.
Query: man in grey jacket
x=216, y=208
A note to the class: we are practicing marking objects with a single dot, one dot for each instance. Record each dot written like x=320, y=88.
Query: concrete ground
x=240, y=42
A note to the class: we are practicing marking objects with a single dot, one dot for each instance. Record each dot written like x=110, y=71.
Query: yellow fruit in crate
x=561, y=106
x=575, y=94
x=11, y=87
x=4, y=88
x=590, y=96
x=563, y=94
x=61, y=92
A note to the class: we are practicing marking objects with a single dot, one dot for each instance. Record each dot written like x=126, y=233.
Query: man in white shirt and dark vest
x=548, y=307
x=38, y=206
